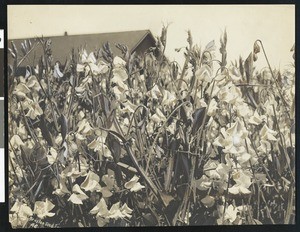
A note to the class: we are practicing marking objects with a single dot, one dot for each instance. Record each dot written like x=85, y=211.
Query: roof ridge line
x=146, y=30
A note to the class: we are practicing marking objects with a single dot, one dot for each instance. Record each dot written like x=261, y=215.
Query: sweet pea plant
x=139, y=140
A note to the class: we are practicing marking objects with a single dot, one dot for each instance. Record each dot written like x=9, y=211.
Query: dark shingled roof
x=62, y=45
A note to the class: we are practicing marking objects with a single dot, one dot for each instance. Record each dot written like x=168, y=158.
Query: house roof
x=62, y=45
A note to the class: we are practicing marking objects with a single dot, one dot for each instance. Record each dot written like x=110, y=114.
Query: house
x=136, y=41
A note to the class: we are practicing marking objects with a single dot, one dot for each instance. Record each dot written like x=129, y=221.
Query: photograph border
x=4, y=210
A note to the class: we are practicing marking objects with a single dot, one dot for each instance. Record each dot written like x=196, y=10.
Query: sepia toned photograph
x=151, y=115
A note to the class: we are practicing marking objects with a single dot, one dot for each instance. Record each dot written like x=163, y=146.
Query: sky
x=273, y=24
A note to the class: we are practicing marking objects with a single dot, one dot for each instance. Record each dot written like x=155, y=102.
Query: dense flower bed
x=139, y=140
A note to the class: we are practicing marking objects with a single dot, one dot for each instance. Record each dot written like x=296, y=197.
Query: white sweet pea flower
x=119, y=77
x=42, y=209
x=158, y=117
x=104, y=215
x=242, y=109
x=97, y=145
x=34, y=110
x=266, y=75
x=233, y=138
x=212, y=90
x=119, y=61
x=22, y=131
x=85, y=58
x=256, y=119
x=84, y=127
x=265, y=147
x=91, y=182
x=20, y=214
x=230, y=93
x=80, y=68
x=218, y=175
x=236, y=76
x=56, y=72
x=110, y=182
x=267, y=134
x=200, y=102
x=62, y=190
x=212, y=108
x=52, y=157
x=243, y=158
x=72, y=170
x=230, y=214
x=116, y=211
x=100, y=209
x=268, y=105
x=33, y=83
x=133, y=185
x=203, y=184
x=119, y=93
x=78, y=195
x=154, y=93
x=126, y=211
x=21, y=88
x=243, y=182
x=172, y=127
x=169, y=98
x=16, y=141
x=129, y=107
x=204, y=73
x=150, y=127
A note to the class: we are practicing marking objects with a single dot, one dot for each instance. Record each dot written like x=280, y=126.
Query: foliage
x=138, y=140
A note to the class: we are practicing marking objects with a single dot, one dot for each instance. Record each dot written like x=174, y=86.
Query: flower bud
x=256, y=48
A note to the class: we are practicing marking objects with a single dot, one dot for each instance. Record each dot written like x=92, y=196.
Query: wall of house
x=145, y=44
